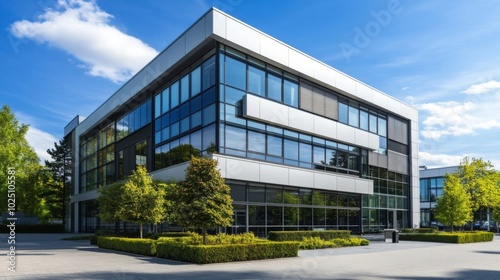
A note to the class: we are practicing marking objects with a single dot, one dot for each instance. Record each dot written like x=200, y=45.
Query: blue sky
x=63, y=58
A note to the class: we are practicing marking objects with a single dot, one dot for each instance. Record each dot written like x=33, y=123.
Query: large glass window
x=343, y=112
x=256, y=81
x=235, y=73
x=184, y=88
x=196, y=81
x=353, y=116
x=274, y=87
x=291, y=94
x=208, y=73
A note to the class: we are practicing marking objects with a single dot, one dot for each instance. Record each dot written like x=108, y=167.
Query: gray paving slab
x=46, y=256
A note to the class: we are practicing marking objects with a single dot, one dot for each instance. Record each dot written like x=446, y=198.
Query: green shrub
x=420, y=230
x=226, y=253
x=446, y=237
x=219, y=239
x=300, y=235
x=309, y=243
x=176, y=234
x=353, y=241
x=130, y=245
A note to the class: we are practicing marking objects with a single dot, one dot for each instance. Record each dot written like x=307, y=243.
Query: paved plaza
x=46, y=256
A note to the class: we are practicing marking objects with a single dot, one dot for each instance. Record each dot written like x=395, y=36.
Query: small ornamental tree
x=203, y=199
x=109, y=202
x=141, y=202
x=453, y=207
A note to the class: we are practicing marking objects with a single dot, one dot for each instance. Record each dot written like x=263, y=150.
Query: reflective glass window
x=319, y=155
x=196, y=81
x=184, y=110
x=195, y=104
x=274, y=87
x=305, y=152
x=195, y=119
x=256, y=81
x=353, y=116
x=208, y=97
x=209, y=114
x=195, y=141
x=291, y=93
x=209, y=137
x=174, y=94
x=174, y=129
x=165, y=99
x=382, y=127
x=208, y=73
x=184, y=125
x=274, y=145
x=184, y=88
x=343, y=112
x=233, y=115
x=363, y=119
x=256, y=142
x=233, y=95
x=236, y=138
x=291, y=149
x=235, y=73
x=157, y=105
x=373, y=123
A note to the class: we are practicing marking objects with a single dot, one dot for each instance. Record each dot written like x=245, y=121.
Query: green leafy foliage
x=110, y=203
x=318, y=243
x=453, y=208
x=203, y=200
x=130, y=245
x=481, y=182
x=56, y=191
x=140, y=201
x=444, y=237
x=420, y=230
x=300, y=235
x=220, y=239
x=202, y=254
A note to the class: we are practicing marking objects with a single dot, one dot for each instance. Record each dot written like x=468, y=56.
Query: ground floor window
x=261, y=208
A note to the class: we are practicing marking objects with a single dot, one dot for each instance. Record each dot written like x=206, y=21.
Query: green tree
x=56, y=191
x=15, y=152
x=203, y=200
x=453, y=207
x=480, y=181
x=109, y=201
x=141, y=202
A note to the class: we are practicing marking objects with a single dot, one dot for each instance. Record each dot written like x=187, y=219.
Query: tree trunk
x=204, y=231
x=140, y=228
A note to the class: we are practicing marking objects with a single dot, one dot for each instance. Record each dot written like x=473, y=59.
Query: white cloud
x=452, y=118
x=438, y=160
x=40, y=141
x=482, y=88
x=82, y=29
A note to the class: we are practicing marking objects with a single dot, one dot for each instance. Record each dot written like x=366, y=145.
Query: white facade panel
x=273, y=174
x=273, y=112
x=242, y=35
x=346, y=184
x=364, y=92
x=346, y=133
x=301, y=120
x=325, y=181
x=323, y=126
x=242, y=169
x=346, y=84
x=324, y=74
x=298, y=60
x=273, y=49
x=301, y=177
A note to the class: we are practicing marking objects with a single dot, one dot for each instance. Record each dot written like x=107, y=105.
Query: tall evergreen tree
x=203, y=199
x=453, y=207
x=57, y=189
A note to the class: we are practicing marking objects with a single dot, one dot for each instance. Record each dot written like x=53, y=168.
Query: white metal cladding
x=268, y=111
x=269, y=173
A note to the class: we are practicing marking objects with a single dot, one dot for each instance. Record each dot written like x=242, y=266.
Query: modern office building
x=431, y=187
x=301, y=144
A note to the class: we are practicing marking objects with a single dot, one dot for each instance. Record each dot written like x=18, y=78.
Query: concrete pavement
x=46, y=256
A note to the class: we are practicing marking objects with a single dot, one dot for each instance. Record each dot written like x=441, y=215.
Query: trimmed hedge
x=318, y=243
x=420, y=230
x=42, y=228
x=459, y=237
x=202, y=254
x=300, y=235
x=130, y=245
